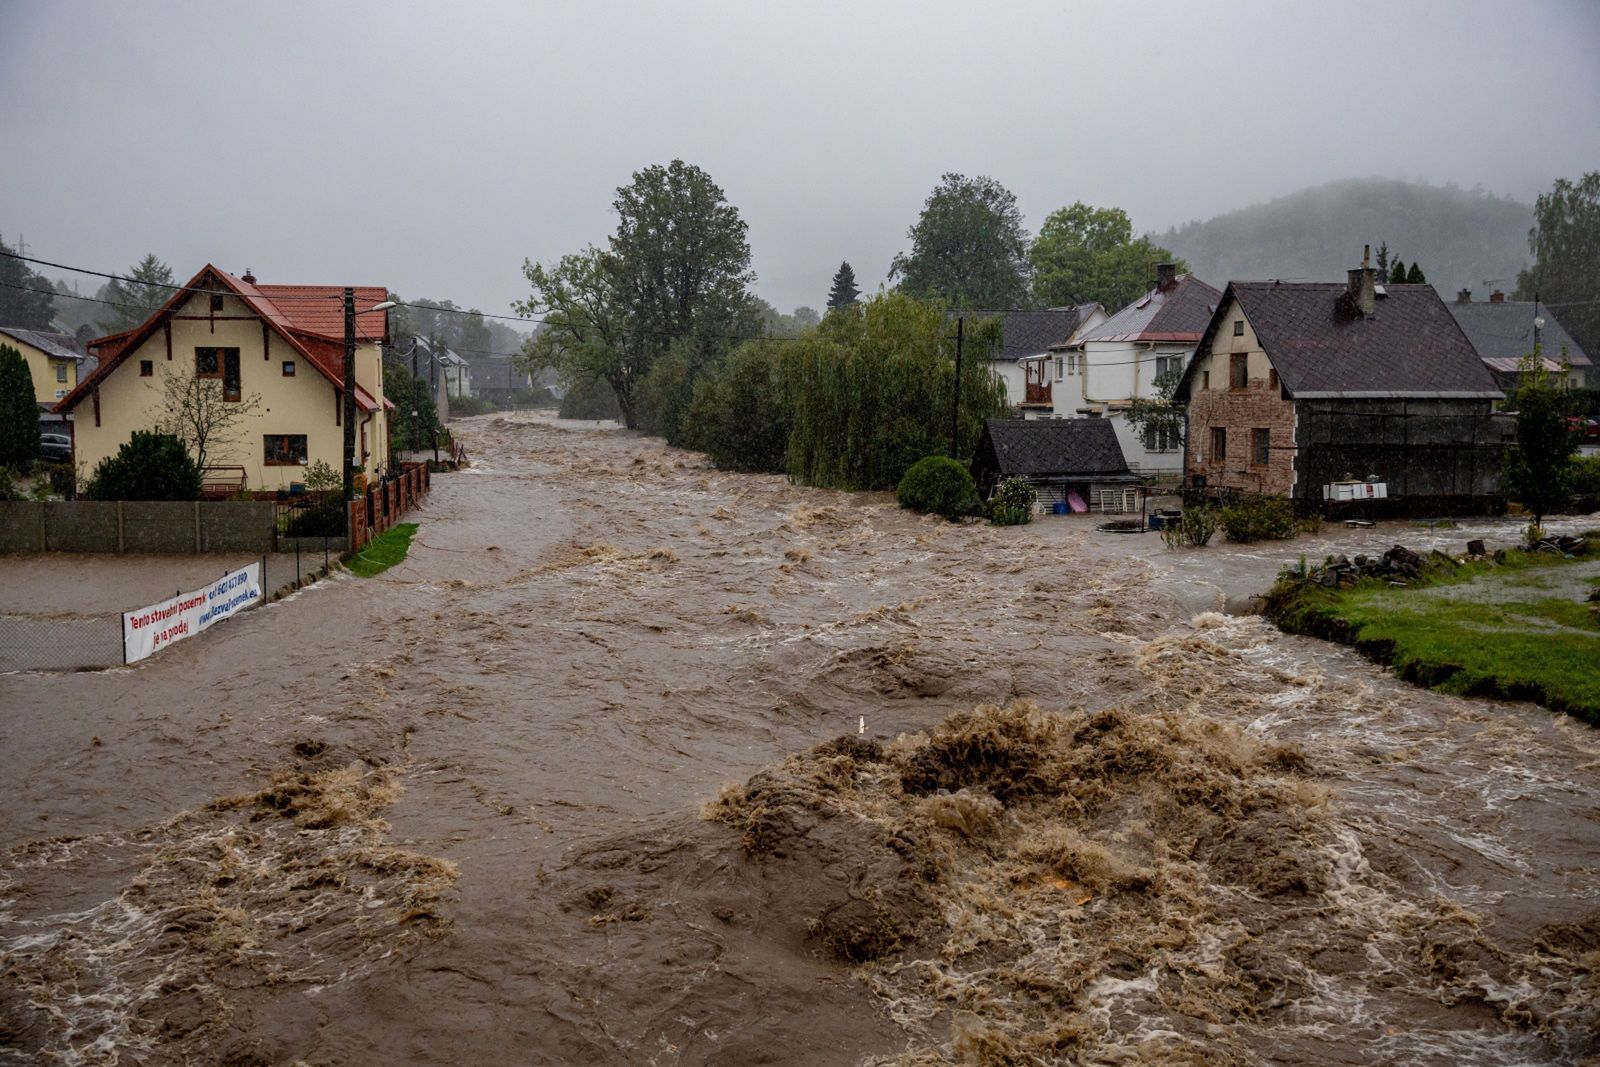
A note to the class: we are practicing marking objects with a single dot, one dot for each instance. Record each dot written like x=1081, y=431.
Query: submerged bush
x=1193, y=528
x=1259, y=518
x=940, y=485
x=1011, y=503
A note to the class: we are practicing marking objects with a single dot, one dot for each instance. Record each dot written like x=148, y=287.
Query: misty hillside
x=1462, y=238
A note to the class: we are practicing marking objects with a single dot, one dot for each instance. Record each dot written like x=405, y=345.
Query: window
x=1238, y=371
x=208, y=363
x=285, y=449
x=1169, y=365
x=216, y=302
x=1161, y=438
x=1272, y=377
x=1238, y=327
x=1219, y=444
x=1074, y=362
x=288, y=368
x=146, y=368
x=219, y=363
x=1061, y=364
x=61, y=372
x=1260, y=446
x=1205, y=379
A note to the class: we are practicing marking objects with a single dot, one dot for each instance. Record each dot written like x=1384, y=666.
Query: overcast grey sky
x=430, y=147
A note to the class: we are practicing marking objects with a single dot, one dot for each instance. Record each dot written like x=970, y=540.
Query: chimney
x=1464, y=296
x=1362, y=288
x=1497, y=297
x=1166, y=276
x=248, y=277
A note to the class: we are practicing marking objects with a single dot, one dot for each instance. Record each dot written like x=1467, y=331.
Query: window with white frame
x=1161, y=439
x=1074, y=362
x=1060, y=367
x=1168, y=365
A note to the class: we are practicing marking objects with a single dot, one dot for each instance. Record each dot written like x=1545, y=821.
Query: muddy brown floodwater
x=634, y=761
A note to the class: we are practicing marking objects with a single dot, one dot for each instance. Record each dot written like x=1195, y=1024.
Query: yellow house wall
x=42, y=368
x=304, y=403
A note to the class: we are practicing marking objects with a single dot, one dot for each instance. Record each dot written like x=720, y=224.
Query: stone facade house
x=282, y=344
x=1299, y=385
x=1107, y=367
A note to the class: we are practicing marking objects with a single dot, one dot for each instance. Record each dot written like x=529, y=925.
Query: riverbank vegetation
x=383, y=551
x=1517, y=626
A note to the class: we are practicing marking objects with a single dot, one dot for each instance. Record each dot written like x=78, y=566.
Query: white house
x=1025, y=339
x=1106, y=366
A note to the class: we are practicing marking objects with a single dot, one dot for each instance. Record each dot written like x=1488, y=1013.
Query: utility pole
x=955, y=401
x=349, y=401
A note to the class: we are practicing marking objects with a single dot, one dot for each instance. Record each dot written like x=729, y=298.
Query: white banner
x=147, y=630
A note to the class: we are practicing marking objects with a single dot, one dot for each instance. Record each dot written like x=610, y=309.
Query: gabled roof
x=303, y=323
x=1055, y=448
x=1502, y=330
x=55, y=345
x=1178, y=314
x=1028, y=333
x=1321, y=346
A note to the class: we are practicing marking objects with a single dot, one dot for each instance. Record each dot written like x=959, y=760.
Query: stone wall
x=170, y=527
x=1260, y=406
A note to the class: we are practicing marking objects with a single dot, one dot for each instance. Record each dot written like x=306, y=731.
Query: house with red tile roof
x=277, y=350
x=1326, y=391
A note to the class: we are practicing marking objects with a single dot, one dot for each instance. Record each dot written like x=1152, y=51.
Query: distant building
x=55, y=361
x=1298, y=385
x=283, y=343
x=1106, y=367
x=1025, y=341
x=1504, y=331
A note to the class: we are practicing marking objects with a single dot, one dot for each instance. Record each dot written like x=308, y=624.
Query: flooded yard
x=548, y=791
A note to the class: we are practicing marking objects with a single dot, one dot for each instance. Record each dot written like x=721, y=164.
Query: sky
x=432, y=148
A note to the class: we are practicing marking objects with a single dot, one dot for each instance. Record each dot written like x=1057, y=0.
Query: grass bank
x=1518, y=629
x=383, y=551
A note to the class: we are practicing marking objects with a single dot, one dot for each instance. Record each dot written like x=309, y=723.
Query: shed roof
x=55, y=345
x=1322, y=346
x=1502, y=330
x=1056, y=448
x=1179, y=313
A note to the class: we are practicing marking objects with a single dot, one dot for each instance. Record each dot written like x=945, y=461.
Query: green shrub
x=591, y=399
x=322, y=517
x=320, y=477
x=9, y=491
x=1011, y=503
x=738, y=416
x=150, y=466
x=940, y=485
x=1193, y=528
x=1258, y=518
x=1586, y=475
x=462, y=406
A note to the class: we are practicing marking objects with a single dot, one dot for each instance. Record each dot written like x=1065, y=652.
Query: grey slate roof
x=1505, y=330
x=1321, y=346
x=1179, y=314
x=1054, y=448
x=1030, y=333
x=59, y=345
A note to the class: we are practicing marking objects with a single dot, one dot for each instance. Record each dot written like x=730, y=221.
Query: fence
x=145, y=526
x=381, y=506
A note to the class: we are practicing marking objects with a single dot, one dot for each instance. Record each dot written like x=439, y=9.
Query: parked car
x=55, y=447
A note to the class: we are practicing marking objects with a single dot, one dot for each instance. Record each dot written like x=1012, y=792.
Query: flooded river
x=551, y=791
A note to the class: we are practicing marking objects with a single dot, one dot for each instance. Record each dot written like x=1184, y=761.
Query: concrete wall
x=143, y=526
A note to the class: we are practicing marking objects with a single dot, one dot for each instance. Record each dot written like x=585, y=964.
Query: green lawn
x=383, y=551
x=1519, y=630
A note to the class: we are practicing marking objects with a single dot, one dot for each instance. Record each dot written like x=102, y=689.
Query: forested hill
x=1462, y=238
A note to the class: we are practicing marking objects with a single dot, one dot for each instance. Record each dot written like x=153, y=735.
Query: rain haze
x=432, y=148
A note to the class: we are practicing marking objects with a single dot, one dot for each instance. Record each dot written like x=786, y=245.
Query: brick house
x=1298, y=385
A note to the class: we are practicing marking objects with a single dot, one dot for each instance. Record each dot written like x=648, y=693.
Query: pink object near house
x=1075, y=502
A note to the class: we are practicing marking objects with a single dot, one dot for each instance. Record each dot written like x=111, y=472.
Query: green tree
x=1538, y=468
x=1397, y=276
x=149, y=286
x=844, y=290
x=25, y=296
x=1414, y=275
x=150, y=466
x=1159, y=414
x=1383, y=260
x=197, y=412
x=1565, y=242
x=473, y=340
x=19, y=412
x=590, y=398
x=1086, y=254
x=585, y=329
x=739, y=416
x=968, y=247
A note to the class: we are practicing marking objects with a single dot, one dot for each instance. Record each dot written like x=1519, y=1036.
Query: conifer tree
x=1398, y=275
x=19, y=412
x=844, y=291
x=1415, y=276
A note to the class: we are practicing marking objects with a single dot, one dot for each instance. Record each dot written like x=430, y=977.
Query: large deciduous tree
x=968, y=247
x=25, y=296
x=1565, y=242
x=674, y=279
x=1086, y=255
x=149, y=284
x=844, y=290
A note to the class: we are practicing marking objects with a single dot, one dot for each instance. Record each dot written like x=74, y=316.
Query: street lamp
x=350, y=395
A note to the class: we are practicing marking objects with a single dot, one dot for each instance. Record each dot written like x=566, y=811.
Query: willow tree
x=870, y=392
